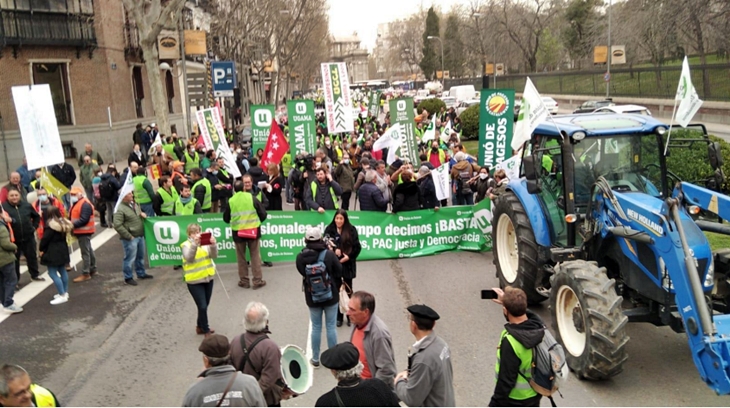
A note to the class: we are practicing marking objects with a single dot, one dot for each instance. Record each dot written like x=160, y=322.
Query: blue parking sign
x=224, y=77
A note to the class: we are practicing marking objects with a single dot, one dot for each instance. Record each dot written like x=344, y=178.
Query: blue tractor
x=598, y=225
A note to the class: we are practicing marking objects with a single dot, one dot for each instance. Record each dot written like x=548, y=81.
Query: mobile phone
x=489, y=294
x=205, y=238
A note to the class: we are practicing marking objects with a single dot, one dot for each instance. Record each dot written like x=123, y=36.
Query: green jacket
x=87, y=175
x=127, y=222
x=7, y=248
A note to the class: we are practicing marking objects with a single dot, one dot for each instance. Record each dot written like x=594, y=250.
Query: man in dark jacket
x=64, y=173
x=257, y=174
x=345, y=178
x=407, y=197
x=25, y=221
x=371, y=198
x=523, y=331
x=352, y=390
x=428, y=189
x=321, y=194
x=309, y=256
x=110, y=200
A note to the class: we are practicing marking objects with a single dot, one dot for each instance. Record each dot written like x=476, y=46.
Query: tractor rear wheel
x=588, y=320
x=514, y=247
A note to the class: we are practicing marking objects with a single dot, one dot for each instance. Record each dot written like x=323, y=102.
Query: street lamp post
x=433, y=37
x=608, y=53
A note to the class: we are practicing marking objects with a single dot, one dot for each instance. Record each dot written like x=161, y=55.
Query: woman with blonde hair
x=273, y=187
x=54, y=251
x=198, y=272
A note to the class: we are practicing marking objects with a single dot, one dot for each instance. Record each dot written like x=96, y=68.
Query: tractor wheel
x=588, y=319
x=514, y=247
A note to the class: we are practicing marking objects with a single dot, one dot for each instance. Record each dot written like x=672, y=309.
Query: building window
x=138, y=86
x=56, y=76
x=170, y=87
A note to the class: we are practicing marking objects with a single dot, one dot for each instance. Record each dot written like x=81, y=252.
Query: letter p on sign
x=300, y=108
x=262, y=118
x=218, y=75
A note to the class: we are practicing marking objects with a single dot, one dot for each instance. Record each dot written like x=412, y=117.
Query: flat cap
x=343, y=356
x=424, y=312
x=215, y=345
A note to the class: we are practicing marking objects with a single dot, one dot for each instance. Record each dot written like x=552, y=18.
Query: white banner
x=430, y=132
x=442, y=181
x=214, y=137
x=127, y=188
x=690, y=102
x=38, y=126
x=532, y=112
x=338, y=102
x=446, y=133
x=391, y=141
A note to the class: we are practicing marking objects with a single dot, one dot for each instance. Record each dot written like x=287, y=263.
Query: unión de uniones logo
x=167, y=232
x=497, y=104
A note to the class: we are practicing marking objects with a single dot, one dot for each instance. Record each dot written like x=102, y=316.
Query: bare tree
x=314, y=51
x=405, y=42
x=525, y=22
x=151, y=16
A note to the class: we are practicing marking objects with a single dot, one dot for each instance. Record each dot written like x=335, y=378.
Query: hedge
x=470, y=123
x=692, y=164
x=432, y=105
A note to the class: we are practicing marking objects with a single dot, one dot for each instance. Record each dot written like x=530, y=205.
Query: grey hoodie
x=209, y=388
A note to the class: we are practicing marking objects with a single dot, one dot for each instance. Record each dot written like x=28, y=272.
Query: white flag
x=442, y=181
x=446, y=133
x=127, y=187
x=690, y=102
x=157, y=142
x=532, y=112
x=389, y=140
x=430, y=132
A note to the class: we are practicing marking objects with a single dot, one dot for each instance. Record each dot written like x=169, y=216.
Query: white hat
x=313, y=234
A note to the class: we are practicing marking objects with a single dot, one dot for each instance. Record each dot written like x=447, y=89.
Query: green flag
x=261, y=118
x=374, y=103
x=401, y=112
x=496, y=119
x=302, y=128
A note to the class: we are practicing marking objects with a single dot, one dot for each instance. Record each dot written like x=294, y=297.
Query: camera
x=304, y=161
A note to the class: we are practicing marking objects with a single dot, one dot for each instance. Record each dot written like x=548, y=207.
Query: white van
x=463, y=92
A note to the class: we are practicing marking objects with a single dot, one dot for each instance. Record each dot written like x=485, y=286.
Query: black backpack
x=106, y=189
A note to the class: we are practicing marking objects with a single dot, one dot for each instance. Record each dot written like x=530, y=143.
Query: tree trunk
x=159, y=101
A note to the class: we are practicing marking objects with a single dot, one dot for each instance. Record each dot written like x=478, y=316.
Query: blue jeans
x=330, y=319
x=467, y=199
x=8, y=280
x=201, y=293
x=59, y=276
x=148, y=209
x=133, y=256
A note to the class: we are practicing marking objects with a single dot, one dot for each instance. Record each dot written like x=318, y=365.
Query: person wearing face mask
x=136, y=156
x=43, y=202
x=436, y=156
x=82, y=217
x=483, y=183
x=191, y=159
x=364, y=167
x=199, y=273
x=98, y=202
x=187, y=204
x=211, y=174
x=345, y=177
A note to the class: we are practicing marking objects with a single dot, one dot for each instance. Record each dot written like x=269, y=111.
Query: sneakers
x=147, y=276
x=14, y=308
x=315, y=364
x=259, y=285
x=130, y=282
x=82, y=278
x=59, y=300
x=65, y=295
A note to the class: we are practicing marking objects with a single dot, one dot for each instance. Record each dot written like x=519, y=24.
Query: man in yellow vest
x=523, y=331
x=322, y=193
x=165, y=198
x=17, y=390
x=143, y=192
x=245, y=213
x=202, y=190
x=191, y=159
x=286, y=169
x=187, y=204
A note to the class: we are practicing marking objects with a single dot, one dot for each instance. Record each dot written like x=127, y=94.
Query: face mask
x=318, y=165
x=238, y=151
x=192, y=151
x=215, y=172
x=136, y=151
x=327, y=144
x=74, y=199
x=483, y=176
x=434, y=149
x=346, y=161
x=43, y=198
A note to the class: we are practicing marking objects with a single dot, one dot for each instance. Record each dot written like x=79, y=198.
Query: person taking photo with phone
x=198, y=253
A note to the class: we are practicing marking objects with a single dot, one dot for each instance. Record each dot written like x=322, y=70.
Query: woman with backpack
x=341, y=237
x=321, y=272
x=54, y=251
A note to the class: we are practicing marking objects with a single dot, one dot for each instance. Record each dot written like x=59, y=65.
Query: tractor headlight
x=661, y=130
x=710, y=277
x=578, y=136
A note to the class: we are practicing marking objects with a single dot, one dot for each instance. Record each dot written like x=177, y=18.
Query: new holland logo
x=497, y=104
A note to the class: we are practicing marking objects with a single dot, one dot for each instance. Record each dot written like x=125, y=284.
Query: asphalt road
x=116, y=345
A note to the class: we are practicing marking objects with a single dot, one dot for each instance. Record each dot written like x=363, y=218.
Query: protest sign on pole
x=442, y=181
x=430, y=132
x=532, y=112
x=391, y=141
x=401, y=112
x=214, y=137
x=496, y=118
x=382, y=236
x=374, y=103
x=38, y=126
x=261, y=117
x=302, y=128
x=338, y=103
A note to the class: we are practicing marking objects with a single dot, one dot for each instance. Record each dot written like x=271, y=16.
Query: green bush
x=470, y=123
x=691, y=164
x=432, y=105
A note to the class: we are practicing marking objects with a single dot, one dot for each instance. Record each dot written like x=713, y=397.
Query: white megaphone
x=295, y=369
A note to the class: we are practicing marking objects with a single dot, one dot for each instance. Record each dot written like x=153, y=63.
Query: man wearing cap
x=23, y=221
x=82, y=217
x=179, y=180
x=372, y=338
x=221, y=381
x=352, y=390
x=429, y=380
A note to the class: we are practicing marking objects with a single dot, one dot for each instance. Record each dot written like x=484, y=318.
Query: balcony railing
x=22, y=27
x=131, y=41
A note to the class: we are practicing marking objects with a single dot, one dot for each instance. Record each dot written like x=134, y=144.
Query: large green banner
x=496, y=119
x=302, y=131
x=383, y=236
x=261, y=118
x=401, y=112
x=374, y=103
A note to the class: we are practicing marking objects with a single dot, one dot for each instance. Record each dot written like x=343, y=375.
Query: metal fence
x=711, y=81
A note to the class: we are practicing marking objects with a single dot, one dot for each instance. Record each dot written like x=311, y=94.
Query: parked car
x=635, y=109
x=590, y=106
x=550, y=104
x=450, y=102
x=466, y=105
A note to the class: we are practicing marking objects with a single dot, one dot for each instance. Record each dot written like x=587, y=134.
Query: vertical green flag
x=401, y=112
x=496, y=120
x=338, y=103
x=374, y=103
x=302, y=131
x=261, y=117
